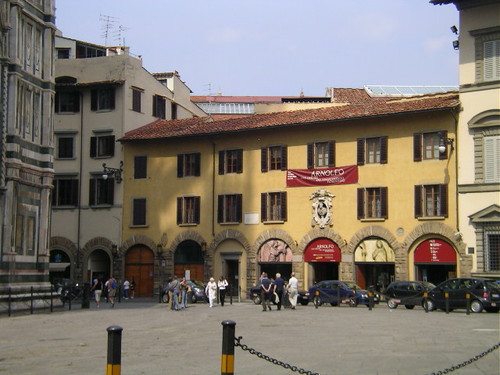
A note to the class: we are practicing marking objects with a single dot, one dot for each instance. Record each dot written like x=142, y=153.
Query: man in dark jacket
x=278, y=288
x=266, y=287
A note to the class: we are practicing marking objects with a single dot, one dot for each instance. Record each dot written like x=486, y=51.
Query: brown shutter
x=197, y=164
x=179, y=210
x=383, y=150
x=361, y=203
x=110, y=191
x=93, y=100
x=383, y=198
x=74, y=192
x=220, y=209
x=310, y=155
x=417, y=147
x=331, y=154
x=284, y=158
x=443, y=198
x=197, y=210
x=263, y=159
x=283, y=206
x=180, y=165
x=112, y=98
x=361, y=151
x=239, y=207
x=92, y=194
x=221, y=162
x=93, y=147
x=418, y=200
x=239, y=161
x=263, y=207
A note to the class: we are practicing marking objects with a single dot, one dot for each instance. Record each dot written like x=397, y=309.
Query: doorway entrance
x=188, y=261
x=139, y=265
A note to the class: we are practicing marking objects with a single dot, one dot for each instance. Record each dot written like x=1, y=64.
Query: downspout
x=213, y=188
x=80, y=187
x=456, y=172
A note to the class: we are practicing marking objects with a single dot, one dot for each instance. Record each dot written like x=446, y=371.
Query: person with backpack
x=111, y=290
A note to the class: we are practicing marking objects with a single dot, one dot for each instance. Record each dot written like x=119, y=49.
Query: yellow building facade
x=356, y=192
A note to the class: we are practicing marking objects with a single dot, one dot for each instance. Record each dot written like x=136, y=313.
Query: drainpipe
x=78, y=250
x=213, y=187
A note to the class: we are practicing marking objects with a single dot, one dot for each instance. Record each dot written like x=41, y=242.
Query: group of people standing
x=211, y=290
x=278, y=287
x=178, y=292
x=108, y=290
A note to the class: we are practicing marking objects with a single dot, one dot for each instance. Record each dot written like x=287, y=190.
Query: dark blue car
x=335, y=292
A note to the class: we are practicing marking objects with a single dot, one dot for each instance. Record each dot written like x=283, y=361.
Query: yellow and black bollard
x=114, y=350
x=371, y=302
x=228, y=336
x=426, y=307
x=467, y=303
x=447, y=302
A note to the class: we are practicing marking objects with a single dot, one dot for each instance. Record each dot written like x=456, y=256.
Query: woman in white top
x=211, y=291
x=222, y=285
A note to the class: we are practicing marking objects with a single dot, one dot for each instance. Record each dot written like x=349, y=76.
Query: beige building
x=360, y=191
x=101, y=93
x=478, y=139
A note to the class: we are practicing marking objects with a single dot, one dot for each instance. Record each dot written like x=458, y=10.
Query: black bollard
x=114, y=350
x=86, y=296
x=424, y=303
x=467, y=303
x=228, y=336
x=447, y=301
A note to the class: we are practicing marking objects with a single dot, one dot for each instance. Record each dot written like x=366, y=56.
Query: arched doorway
x=324, y=257
x=375, y=263
x=188, y=261
x=275, y=256
x=59, y=267
x=435, y=261
x=139, y=265
x=99, y=266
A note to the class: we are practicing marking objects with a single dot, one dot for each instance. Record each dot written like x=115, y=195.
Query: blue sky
x=276, y=47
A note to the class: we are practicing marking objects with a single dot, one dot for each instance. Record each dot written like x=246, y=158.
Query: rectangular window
x=101, y=191
x=140, y=167
x=173, y=108
x=493, y=252
x=63, y=53
x=188, y=164
x=231, y=161
x=102, y=146
x=492, y=60
x=65, y=192
x=159, y=106
x=229, y=208
x=372, y=150
x=273, y=206
x=492, y=158
x=67, y=102
x=274, y=158
x=102, y=99
x=321, y=154
x=139, y=212
x=431, y=201
x=426, y=146
x=372, y=203
x=136, y=99
x=65, y=147
x=188, y=210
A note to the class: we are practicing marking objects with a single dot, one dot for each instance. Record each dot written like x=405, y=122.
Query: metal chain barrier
x=468, y=362
x=272, y=360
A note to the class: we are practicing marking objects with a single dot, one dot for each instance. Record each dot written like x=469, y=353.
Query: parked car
x=330, y=291
x=407, y=293
x=484, y=295
x=196, y=294
x=255, y=295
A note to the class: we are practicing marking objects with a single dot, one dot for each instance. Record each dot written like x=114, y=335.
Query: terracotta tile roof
x=370, y=108
x=235, y=99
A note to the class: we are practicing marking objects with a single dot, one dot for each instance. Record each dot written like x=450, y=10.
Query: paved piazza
x=327, y=340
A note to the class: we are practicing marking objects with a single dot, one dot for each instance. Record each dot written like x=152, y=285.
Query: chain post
x=447, y=301
x=467, y=303
x=425, y=302
x=227, y=359
x=114, y=350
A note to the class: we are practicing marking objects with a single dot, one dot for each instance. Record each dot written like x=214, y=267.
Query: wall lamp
x=456, y=43
x=444, y=142
x=203, y=246
x=110, y=172
x=159, y=251
x=114, y=251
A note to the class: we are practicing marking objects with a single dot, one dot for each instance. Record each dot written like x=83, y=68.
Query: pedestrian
x=126, y=288
x=278, y=288
x=211, y=291
x=184, y=292
x=132, y=288
x=112, y=290
x=175, y=287
x=97, y=289
x=222, y=285
x=266, y=290
x=293, y=290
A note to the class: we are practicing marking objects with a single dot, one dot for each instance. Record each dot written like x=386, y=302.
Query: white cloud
x=226, y=35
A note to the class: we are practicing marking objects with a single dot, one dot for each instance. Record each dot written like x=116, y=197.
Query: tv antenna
x=107, y=26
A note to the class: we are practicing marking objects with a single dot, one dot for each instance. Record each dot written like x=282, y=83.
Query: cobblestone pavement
x=327, y=340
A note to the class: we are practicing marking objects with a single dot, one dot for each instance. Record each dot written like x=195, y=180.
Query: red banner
x=320, y=177
x=435, y=251
x=322, y=250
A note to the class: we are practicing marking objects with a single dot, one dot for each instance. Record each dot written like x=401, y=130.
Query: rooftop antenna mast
x=107, y=26
x=119, y=34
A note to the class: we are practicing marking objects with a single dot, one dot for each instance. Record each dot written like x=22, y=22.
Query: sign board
x=321, y=177
x=435, y=251
x=322, y=250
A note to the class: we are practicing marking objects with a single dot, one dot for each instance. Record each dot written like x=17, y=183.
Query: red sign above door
x=322, y=250
x=435, y=251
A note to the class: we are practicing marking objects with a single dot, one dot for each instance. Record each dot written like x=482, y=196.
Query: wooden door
x=139, y=264
x=195, y=271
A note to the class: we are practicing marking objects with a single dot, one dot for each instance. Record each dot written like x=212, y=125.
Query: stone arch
x=229, y=234
x=136, y=240
x=274, y=233
x=323, y=233
x=184, y=236
x=97, y=243
x=433, y=228
x=374, y=231
x=63, y=243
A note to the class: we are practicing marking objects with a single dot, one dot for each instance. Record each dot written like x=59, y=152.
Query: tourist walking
x=176, y=289
x=293, y=290
x=211, y=291
x=184, y=292
x=126, y=288
x=97, y=289
x=132, y=288
x=222, y=285
x=111, y=291
x=278, y=288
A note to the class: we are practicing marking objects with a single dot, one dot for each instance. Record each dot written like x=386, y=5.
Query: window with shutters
x=137, y=99
x=65, y=192
x=321, y=155
x=159, y=106
x=491, y=159
x=65, y=146
x=67, y=102
x=372, y=203
x=231, y=161
x=274, y=158
x=229, y=209
x=140, y=167
x=273, y=207
x=101, y=192
x=372, y=150
x=102, y=99
x=188, y=164
x=426, y=146
x=102, y=146
x=431, y=201
x=139, y=212
x=188, y=210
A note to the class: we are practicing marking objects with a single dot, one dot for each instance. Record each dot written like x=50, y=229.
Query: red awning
x=322, y=250
x=435, y=251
